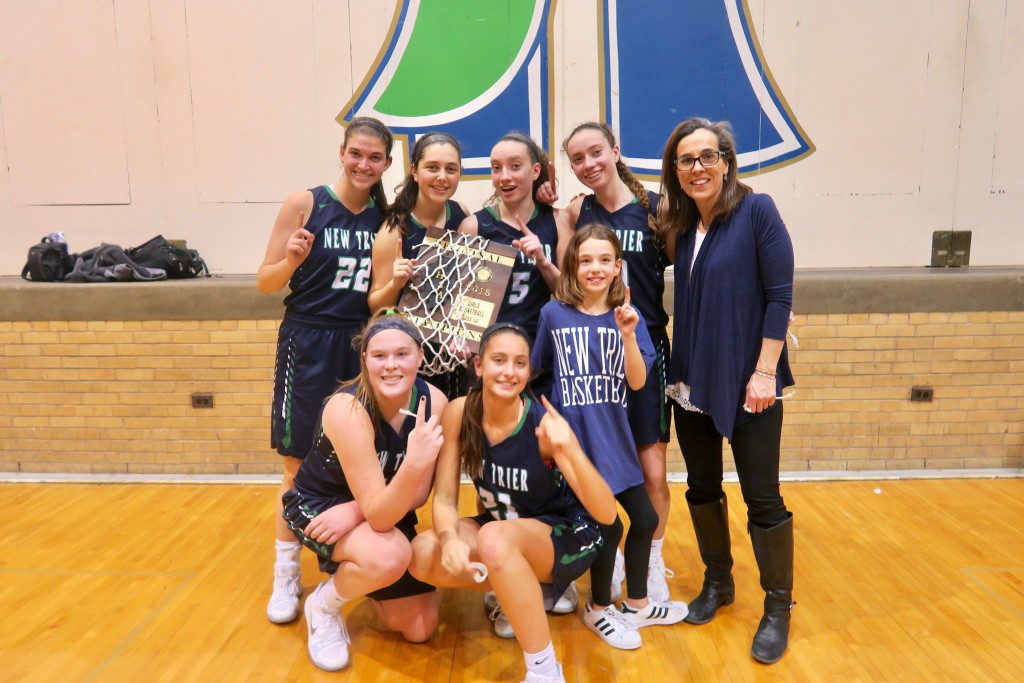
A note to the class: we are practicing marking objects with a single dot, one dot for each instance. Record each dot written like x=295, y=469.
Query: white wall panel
x=62, y=103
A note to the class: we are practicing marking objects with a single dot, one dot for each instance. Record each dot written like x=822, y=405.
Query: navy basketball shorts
x=300, y=509
x=311, y=363
x=649, y=409
x=576, y=540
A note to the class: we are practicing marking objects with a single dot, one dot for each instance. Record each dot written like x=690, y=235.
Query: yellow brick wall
x=115, y=397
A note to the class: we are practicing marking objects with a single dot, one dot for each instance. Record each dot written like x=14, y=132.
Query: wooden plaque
x=457, y=286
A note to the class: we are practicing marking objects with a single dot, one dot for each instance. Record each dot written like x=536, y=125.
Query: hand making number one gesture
x=626, y=317
x=401, y=270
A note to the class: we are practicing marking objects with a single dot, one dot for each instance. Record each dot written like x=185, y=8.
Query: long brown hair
x=678, y=213
x=471, y=438
x=408, y=192
x=366, y=125
x=569, y=290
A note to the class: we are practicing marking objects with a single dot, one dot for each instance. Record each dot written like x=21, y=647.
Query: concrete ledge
x=235, y=297
x=229, y=297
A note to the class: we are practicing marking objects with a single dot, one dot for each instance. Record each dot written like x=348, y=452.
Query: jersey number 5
x=352, y=274
x=519, y=287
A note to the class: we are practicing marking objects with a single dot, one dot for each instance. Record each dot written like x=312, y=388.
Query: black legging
x=755, y=448
x=643, y=521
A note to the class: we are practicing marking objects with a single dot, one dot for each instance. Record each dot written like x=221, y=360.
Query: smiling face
x=438, y=172
x=592, y=158
x=513, y=171
x=392, y=359
x=504, y=364
x=597, y=266
x=364, y=158
x=702, y=184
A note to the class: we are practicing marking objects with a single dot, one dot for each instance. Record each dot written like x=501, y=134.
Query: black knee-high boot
x=773, y=549
x=711, y=524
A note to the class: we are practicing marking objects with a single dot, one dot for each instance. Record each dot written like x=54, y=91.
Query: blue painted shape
x=668, y=60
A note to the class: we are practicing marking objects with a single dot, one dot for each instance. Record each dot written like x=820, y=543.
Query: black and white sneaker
x=655, y=613
x=612, y=627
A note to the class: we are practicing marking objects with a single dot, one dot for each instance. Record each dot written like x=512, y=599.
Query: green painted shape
x=457, y=50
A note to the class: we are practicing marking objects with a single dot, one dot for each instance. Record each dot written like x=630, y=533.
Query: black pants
x=643, y=522
x=755, y=447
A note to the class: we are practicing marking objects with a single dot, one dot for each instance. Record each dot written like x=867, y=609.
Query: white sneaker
x=283, y=605
x=656, y=613
x=569, y=601
x=502, y=627
x=618, y=575
x=537, y=678
x=327, y=638
x=657, y=587
x=612, y=627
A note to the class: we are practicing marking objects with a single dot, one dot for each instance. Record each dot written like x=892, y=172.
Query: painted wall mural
x=479, y=69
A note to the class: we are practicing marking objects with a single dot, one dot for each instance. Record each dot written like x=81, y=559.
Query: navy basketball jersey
x=643, y=263
x=321, y=474
x=527, y=291
x=416, y=231
x=515, y=481
x=585, y=353
x=333, y=283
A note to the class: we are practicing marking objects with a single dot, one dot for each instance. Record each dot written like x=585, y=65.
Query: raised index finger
x=548, y=407
x=625, y=302
x=398, y=249
x=421, y=412
x=551, y=172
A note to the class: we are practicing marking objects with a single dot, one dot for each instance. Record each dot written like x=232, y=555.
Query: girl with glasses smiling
x=733, y=262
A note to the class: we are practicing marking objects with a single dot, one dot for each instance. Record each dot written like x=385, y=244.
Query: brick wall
x=114, y=396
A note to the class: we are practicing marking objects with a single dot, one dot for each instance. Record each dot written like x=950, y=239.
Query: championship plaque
x=455, y=292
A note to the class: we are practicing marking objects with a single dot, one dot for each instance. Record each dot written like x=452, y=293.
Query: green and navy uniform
x=325, y=308
x=643, y=271
x=527, y=290
x=320, y=484
x=515, y=482
x=454, y=383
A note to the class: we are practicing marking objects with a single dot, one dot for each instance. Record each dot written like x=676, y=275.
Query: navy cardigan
x=740, y=291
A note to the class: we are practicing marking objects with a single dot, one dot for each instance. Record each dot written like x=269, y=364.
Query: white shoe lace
x=619, y=618
x=658, y=566
x=328, y=630
x=286, y=586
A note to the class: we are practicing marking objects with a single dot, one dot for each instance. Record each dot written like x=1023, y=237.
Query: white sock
x=287, y=551
x=542, y=663
x=656, y=547
x=328, y=596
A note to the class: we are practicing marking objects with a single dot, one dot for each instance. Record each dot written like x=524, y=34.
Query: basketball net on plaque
x=456, y=289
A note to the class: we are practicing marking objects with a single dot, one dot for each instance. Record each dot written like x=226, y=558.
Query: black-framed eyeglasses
x=708, y=157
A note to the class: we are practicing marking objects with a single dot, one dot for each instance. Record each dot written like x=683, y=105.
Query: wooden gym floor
x=895, y=581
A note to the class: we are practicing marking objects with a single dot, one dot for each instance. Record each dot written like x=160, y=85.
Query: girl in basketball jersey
x=423, y=200
x=519, y=168
x=320, y=249
x=541, y=494
x=598, y=348
x=623, y=204
x=370, y=450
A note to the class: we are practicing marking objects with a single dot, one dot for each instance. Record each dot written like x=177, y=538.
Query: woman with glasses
x=733, y=262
